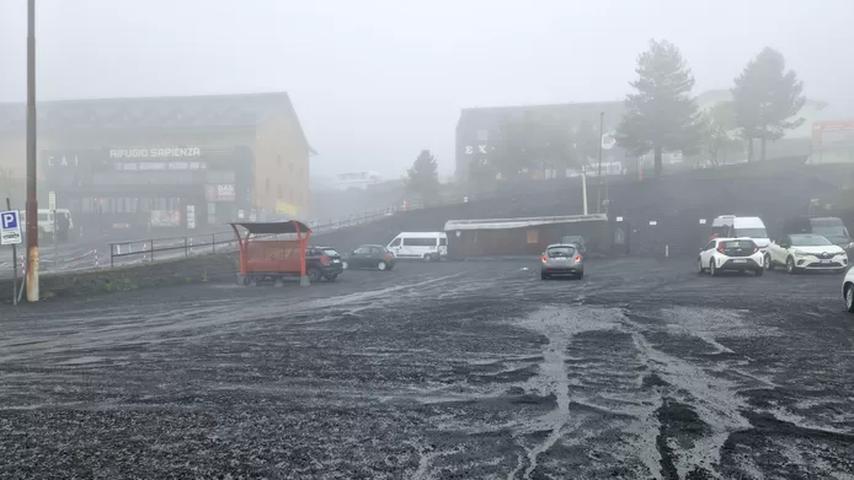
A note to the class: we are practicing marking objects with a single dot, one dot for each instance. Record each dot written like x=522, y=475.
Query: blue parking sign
x=10, y=228
x=9, y=219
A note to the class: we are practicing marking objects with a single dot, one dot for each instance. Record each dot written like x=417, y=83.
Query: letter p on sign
x=10, y=220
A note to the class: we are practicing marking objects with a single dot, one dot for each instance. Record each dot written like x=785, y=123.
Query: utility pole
x=599, y=187
x=32, y=202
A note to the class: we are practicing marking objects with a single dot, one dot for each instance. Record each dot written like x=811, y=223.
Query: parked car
x=323, y=263
x=831, y=228
x=848, y=290
x=734, y=254
x=561, y=260
x=427, y=246
x=374, y=257
x=805, y=251
x=731, y=226
x=576, y=240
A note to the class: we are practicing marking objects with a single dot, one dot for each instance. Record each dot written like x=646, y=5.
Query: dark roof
x=557, y=114
x=201, y=111
x=291, y=226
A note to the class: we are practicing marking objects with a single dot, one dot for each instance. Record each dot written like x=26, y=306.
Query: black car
x=323, y=263
x=374, y=257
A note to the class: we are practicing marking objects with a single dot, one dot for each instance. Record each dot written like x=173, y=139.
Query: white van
x=742, y=227
x=426, y=246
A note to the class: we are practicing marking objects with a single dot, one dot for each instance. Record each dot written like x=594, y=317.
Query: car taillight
x=577, y=258
x=544, y=259
x=325, y=260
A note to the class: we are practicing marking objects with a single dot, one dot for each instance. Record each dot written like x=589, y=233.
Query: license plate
x=336, y=261
x=824, y=260
x=739, y=260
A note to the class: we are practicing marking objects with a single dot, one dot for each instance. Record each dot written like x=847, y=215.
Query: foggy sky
x=374, y=82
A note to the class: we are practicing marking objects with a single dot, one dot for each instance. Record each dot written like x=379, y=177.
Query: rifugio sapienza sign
x=10, y=228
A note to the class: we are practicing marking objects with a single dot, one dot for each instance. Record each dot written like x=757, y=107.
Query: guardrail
x=170, y=248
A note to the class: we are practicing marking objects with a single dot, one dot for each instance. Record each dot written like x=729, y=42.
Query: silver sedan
x=561, y=260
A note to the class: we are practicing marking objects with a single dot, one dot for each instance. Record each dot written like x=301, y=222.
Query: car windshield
x=810, y=241
x=561, y=252
x=751, y=232
x=742, y=244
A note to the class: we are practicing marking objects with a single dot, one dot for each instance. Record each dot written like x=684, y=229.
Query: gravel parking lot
x=452, y=370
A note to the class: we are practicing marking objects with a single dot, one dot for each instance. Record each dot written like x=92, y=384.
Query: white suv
x=736, y=254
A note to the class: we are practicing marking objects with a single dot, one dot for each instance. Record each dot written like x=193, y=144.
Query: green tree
x=766, y=98
x=423, y=177
x=662, y=115
x=719, y=131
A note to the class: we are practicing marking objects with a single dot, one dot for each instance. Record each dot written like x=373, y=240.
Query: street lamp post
x=599, y=187
x=32, y=202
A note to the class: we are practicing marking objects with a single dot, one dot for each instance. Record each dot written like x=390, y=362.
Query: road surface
x=437, y=371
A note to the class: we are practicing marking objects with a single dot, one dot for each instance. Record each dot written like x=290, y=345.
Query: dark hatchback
x=373, y=257
x=323, y=263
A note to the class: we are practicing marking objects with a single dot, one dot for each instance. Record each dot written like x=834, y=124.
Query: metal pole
x=213, y=243
x=599, y=187
x=186, y=251
x=32, y=202
x=584, y=191
x=14, y=263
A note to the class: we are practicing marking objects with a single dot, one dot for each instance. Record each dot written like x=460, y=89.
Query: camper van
x=427, y=246
x=731, y=226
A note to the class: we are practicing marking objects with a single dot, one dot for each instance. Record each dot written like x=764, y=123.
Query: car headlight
x=798, y=253
x=850, y=246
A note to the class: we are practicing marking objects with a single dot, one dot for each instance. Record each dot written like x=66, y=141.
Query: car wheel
x=758, y=272
x=769, y=265
x=314, y=275
x=382, y=266
x=790, y=265
x=580, y=275
x=849, y=298
x=428, y=258
x=331, y=278
x=713, y=269
x=700, y=269
x=543, y=276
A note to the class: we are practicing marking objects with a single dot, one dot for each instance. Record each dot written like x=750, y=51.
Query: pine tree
x=662, y=115
x=423, y=177
x=766, y=99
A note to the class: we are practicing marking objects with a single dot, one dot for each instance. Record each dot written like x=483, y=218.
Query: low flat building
x=522, y=236
x=165, y=162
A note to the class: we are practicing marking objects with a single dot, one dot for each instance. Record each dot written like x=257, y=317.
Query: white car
x=848, y=290
x=735, y=254
x=805, y=251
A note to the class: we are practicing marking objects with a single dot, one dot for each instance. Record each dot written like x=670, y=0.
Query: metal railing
x=170, y=248
x=148, y=250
